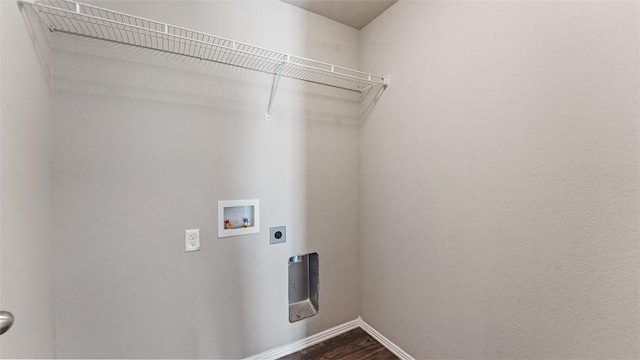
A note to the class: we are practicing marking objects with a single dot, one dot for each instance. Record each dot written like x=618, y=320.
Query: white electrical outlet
x=192, y=240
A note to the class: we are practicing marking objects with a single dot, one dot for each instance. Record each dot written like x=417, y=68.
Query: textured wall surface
x=499, y=180
x=145, y=144
x=495, y=185
x=25, y=219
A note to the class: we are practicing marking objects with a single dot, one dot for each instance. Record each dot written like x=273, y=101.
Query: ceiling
x=354, y=13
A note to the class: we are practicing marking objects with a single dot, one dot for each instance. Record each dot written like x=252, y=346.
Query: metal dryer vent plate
x=303, y=286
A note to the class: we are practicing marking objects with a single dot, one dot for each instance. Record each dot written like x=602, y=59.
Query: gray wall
x=495, y=184
x=145, y=144
x=499, y=180
x=25, y=221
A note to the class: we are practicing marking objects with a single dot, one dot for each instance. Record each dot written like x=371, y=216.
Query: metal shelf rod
x=38, y=3
x=201, y=42
x=95, y=22
x=166, y=31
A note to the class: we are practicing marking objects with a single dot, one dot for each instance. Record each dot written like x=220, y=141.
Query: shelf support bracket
x=376, y=97
x=274, y=87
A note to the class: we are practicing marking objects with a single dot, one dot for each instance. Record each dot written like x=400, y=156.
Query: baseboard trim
x=395, y=349
x=328, y=334
x=306, y=342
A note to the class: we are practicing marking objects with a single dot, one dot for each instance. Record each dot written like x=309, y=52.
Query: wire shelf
x=95, y=22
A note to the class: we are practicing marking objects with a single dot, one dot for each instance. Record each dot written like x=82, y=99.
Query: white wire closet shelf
x=95, y=22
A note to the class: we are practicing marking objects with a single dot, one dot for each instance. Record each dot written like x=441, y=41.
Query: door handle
x=6, y=320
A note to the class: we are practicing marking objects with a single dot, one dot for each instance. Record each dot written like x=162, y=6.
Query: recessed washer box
x=238, y=217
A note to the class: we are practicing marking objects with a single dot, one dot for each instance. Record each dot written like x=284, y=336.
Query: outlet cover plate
x=192, y=240
x=277, y=234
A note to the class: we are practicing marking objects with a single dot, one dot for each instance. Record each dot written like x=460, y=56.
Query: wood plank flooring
x=353, y=345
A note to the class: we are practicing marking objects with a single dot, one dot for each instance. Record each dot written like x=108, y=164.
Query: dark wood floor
x=352, y=345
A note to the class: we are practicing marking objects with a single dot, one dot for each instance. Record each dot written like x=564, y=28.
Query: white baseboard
x=307, y=342
x=328, y=334
x=395, y=349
